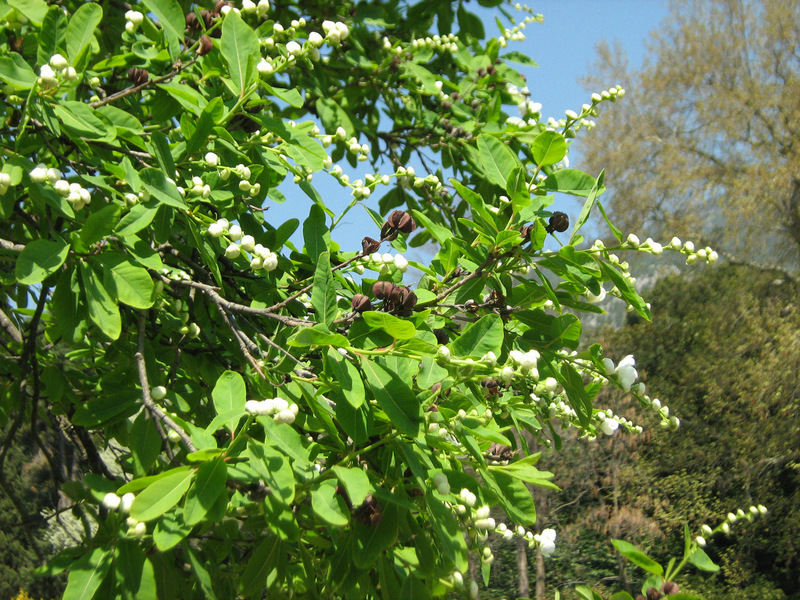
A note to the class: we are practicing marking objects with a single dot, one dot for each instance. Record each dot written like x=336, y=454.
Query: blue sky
x=564, y=48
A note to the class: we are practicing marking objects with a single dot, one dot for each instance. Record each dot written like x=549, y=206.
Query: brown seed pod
x=222, y=3
x=406, y=224
x=558, y=222
x=388, y=232
x=654, y=594
x=404, y=298
x=360, y=303
x=525, y=231
x=670, y=587
x=138, y=76
x=441, y=336
x=208, y=18
x=383, y=290
x=206, y=46
x=368, y=245
x=192, y=22
x=369, y=513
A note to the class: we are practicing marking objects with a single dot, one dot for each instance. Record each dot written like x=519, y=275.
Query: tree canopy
x=235, y=406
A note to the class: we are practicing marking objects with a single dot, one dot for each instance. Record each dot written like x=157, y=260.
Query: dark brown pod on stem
x=670, y=587
x=404, y=298
x=388, y=232
x=654, y=594
x=360, y=303
x=192, y=22
x=205, y=46
x=558, y=222
x=368, y=245
x=138, y=76
x=382, y=290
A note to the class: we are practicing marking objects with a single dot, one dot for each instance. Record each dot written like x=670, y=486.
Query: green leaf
x=82, y=121
x=347, y=378
x=128, y=283
x=159, y=145
x=87, y=573
x=637, y=557
x=323, y=294
x=371, y=541
x=80, y=31
x=207, y=487
x=328, y=505
x=448, y=533
x=548, y=148
x=100, y=224
x=103, y=311
x=164, y=191
x=477, y=205
x=33, y=10
x=621, y=596
x=291, y=96
x=569, y=181
x=274, y=469
x=212, y=114
x=520, y=58
x=524, y=470
x=627, y=290
x=399, y=329
x=395, y=397
x=162, y=495
x=53, y=35
x=513, y=495
x=16, y=72
x=586, y=211
x=261, y=563
x=497, y=160
x=170, y=530
x=145, y=443
x=172, y=21
x=315, y=233
x=40, y=259
x=137, y=219
x=478, y=338
x=240, y=50
x=702, y=561
x=319, y=335
x=229, y=395
x=355, y=481
x=105, y=410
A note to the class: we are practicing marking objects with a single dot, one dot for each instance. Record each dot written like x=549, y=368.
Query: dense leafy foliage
x=264, y=407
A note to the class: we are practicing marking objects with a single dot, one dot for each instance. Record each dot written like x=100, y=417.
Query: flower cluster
x=515, y=33
x=443, y=43
x=730, y=519
x=74, y=192
x=385, y=263
x=56, y=68
x=279, y=409
x=261, y=257
x=113, y=502
x=133, y=18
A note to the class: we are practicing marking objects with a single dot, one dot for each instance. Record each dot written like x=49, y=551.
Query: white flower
x=285, y=416
x=547, y=542
x=58, y=62
x=126, y=503
x=69, y=74
x=158, y=392
x=270, y=262
x=135, y=17
x=248, y=7
x=529, y=360
x=262, y=8
x=443, y=354
x=468, y=497
x=39, y=174
x=139, y=530
x=235, y=232
x=609, y=426
x=294, y=48
x=265, y=67
x=626, y=373
x=401, y=263
x=248, y=243
x=701, y=541
x=571, y=114
x=232, y=251
x=595, y=298
x=706, y=530
x=111, y=501
x=676, y=243
x=458, y=579
x=550, y=384
x=212, y=159
x=315, y=39
x=689, y=246
x=215, y=230
x=506, y=374
x=633, y=240
x=712, y=257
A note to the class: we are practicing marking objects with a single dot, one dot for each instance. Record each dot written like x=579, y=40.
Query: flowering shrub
x=266, y=407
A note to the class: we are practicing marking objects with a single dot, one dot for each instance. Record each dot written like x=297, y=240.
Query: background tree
x=706, y=145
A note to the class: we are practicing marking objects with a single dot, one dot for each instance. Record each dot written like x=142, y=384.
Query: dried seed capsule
x=138, y=76
x=360, y=303
x=670, y=587
x=368, y=245
x=558, y=222
x=206, y=46
x=441, y=336
x=404, y=298
x=192, y=22
x=388, y=232
x=382, y=290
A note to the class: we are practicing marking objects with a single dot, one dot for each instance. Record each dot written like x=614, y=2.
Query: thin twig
x=246, y=345
x=136, y=88
x=154, y=409
x=10, y=328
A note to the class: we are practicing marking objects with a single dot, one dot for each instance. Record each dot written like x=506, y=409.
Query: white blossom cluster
x=77, y=195
x=443, y=43
x=279, y=409
x=385, y=263
x=113, y=502
x=730, y=519
x=261, y=256
x=360, y=151
x=56, y=70
x=133, y=19
x=515, y=33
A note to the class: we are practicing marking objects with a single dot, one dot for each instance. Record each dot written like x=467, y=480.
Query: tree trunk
x=524, y=585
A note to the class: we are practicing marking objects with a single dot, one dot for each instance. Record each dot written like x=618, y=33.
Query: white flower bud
x=233, y=251
x=212, y=159
x=215, y=230
x=265, y=67
x=401, y=263
x=262, y=8
x=315, y=39
x=62, y=187
x=111, y=501
x=126, y=503
x=39, y=174
x=550, y=384
x=248, y=7
x=248, y=243
x=270, y=262
x=294, y=48
x=633, y=240
x=235, y=232
x=158, y=392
